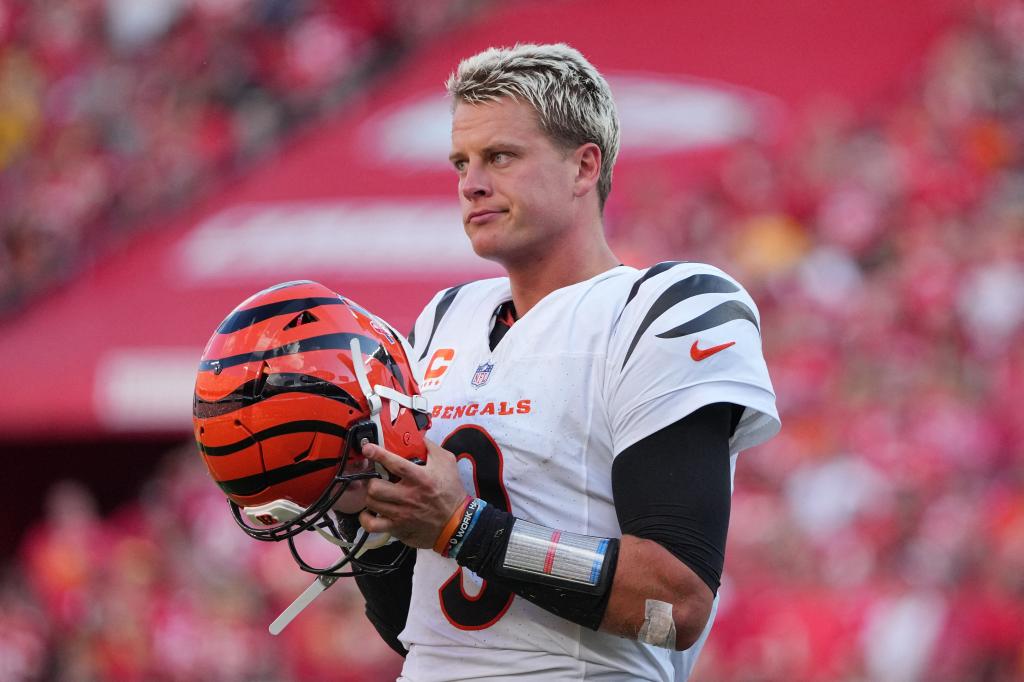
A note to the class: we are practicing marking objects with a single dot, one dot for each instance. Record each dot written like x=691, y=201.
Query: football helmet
x=289, y=386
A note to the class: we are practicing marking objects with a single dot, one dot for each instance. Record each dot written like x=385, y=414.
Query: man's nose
x=476, y=183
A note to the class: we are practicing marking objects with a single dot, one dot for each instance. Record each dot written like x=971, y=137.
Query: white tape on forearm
x=659, y=629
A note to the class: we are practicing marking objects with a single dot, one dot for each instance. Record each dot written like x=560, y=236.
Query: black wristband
x=485, y=546
x=483, y=552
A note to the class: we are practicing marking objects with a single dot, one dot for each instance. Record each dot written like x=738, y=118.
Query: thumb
x=437, y=455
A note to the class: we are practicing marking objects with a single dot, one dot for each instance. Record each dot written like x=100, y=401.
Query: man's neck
x=558, y=267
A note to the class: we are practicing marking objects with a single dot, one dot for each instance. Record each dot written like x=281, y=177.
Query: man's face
x=515, y=185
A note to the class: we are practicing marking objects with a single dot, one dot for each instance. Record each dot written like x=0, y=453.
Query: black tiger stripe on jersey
x=298, y=426
x=339, y=341
x=653, y=271
x=719, y=315
x=269, y=386
x=246, y=318
x=442, y=307
x=250, y=485
x=694, y=285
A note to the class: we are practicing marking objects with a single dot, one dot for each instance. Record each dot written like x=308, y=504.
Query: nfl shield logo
x=482, y=374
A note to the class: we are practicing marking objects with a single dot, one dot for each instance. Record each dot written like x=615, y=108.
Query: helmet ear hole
x=305, y=317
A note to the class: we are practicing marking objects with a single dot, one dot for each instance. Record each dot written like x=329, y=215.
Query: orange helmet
x=288, y=387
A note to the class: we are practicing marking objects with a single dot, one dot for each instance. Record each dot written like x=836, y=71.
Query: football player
x=571, y=517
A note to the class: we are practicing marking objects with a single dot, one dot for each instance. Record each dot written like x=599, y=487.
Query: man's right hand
x=415, y=508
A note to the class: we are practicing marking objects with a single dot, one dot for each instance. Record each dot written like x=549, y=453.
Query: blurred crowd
x=879, y=537
x=112, y=112
x=171, y=589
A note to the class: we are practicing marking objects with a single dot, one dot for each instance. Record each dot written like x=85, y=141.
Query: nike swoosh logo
x=699, y=354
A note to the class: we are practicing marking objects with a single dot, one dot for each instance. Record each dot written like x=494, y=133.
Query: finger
x=434, y=448
x=384, y=492
x=436, y=454
x=389, y=512
x=372, y=523
x=390, y=461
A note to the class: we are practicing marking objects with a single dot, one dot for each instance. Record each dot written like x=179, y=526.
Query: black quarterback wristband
x=567, y=574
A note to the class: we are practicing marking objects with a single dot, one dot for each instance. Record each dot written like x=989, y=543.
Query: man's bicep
x=674, y=488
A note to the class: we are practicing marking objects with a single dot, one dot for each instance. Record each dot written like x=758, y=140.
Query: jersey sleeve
x=688, y=335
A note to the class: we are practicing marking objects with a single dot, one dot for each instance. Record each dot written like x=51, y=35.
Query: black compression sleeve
x=387, y=596
x=674, y=488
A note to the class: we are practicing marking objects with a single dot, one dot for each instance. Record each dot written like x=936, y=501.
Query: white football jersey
x=536, y=423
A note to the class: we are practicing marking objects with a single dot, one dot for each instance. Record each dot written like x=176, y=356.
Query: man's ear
x=588, y=168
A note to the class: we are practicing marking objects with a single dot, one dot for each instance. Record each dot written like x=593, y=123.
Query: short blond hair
x=572, y=99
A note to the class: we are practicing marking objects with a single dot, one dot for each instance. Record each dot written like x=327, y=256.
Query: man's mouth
x=483, y=216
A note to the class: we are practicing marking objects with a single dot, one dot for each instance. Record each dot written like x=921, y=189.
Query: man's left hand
x=415, y=508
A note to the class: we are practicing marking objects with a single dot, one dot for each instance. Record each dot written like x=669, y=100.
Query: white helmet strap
x=372, y=399
x=375, y=398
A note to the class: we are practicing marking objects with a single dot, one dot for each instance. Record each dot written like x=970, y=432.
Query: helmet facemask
x=287, y=519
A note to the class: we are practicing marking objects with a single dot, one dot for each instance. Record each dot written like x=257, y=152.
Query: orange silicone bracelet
x=441, y=544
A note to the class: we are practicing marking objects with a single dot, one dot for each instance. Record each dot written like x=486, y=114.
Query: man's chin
x=488, y=246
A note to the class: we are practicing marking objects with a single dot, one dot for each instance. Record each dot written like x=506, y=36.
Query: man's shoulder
x=634, y=293
x=456, y=302
x=687, y=276
x=473, y=290
x=677, y=299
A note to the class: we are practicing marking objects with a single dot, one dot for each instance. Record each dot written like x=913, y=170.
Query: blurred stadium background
x=859, y=165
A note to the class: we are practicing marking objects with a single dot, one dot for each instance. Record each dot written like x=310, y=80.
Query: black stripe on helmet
x=694, y=285
x=273, y=385
x=338, y=341
x=388, y=360
x=298, y=426
x=250, y=485
x=246, y=318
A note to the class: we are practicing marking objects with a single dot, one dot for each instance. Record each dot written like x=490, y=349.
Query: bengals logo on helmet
x=288, y=385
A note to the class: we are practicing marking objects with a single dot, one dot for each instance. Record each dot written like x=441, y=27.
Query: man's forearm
x=536, y=570
x=647, y=572
x=627, y=574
